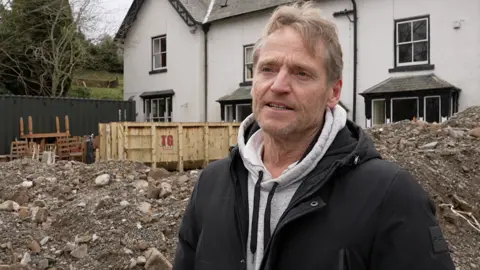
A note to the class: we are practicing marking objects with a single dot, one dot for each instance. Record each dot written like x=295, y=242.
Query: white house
x=191, y=60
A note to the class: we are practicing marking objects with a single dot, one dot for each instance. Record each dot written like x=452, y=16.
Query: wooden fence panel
x=171, y=145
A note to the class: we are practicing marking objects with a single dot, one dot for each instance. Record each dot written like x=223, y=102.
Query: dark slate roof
x=241, y=93
x=409, y=83
x=158, y=93
x=197, y=9
x=239, y=7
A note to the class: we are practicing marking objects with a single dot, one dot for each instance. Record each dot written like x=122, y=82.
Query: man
x=305, y=188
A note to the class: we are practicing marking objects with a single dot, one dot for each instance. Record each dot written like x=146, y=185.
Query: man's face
x=290, y=91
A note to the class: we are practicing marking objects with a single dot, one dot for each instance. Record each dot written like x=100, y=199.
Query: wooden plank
x=125, y=141
x=180, y=148
x=108, y=136
x=230, y=135
x=120, y=141
x=44, y=135
x=206, y=137
x=154, y=147
x=114, y=143
x=102, y=155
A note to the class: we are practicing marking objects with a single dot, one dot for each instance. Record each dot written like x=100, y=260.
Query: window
x=243, y=110
x=404, y=108
x=432, y=109
x=158, y=109
x=228, y=117
x=378, y=111
x=159, y=52
x=412, y=41
x=248, y=63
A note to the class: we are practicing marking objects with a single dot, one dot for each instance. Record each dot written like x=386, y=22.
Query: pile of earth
x=445, y=158
x=107, y=215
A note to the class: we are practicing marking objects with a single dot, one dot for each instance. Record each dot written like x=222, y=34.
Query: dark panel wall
x=84, y=115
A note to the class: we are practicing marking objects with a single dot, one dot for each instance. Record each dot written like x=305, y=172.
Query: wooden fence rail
x=177, y=146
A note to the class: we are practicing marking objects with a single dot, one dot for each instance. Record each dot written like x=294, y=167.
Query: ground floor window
x=235, y=112
x=404, y=109
x=228, y=114
x=158, y=109
x=243, y=111
x=433, y=112
x=378, y=112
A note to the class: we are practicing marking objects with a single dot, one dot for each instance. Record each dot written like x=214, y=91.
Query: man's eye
x=266, y=69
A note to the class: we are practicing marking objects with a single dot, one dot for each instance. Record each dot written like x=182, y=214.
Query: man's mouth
x=277, y=106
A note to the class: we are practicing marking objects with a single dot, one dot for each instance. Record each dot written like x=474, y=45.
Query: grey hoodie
x=281, y=189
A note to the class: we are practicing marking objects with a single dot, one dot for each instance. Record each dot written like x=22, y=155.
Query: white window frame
x=401, y=98
x=397, y=44
x=225, y=109
x=385, y=114
x=240, y=105
x=245, y=63
x=439, y=107
x=148, y=115
x=159, y=53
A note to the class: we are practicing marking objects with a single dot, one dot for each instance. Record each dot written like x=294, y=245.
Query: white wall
x=225, y=49
x=184, y=61
x=454, y=52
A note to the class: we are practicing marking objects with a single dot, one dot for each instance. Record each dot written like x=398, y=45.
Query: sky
x=113, y=12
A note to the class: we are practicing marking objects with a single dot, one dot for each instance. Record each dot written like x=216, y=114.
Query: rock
x=43, y=264
x=40, y=203
x=9, y=206
x=145, y=207
x=80, y=251
x=141, y=260
x=80, y=239
x=26, y=259
x=20, y=196
x=124, y=203
x=34, y=246
x=140, y=184
x=461, y=204
x=142, y=245
x=39, y=214
x=154, y=189
x=182, y=179
x=431, y=145
x=27, y=184
x=156, y=260
x=474, y=132
x=158, y=173
x=102, y=180
x=166, y=190
x=133, y=263
x=44, y=241
x=23, y=212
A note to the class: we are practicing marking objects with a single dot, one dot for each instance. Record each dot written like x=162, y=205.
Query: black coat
x=354, y=211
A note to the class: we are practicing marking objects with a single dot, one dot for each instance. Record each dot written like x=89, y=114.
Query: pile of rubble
x=108, y=215
x=124, y=215
x=445, y=158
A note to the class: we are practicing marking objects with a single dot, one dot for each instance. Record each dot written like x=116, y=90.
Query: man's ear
x=334, y=93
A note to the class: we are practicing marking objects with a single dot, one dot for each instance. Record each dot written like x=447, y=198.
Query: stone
x=158, y=173
x=431, y=145
x=21, y=196
x=23, y=212
x=80, y=239
x=156, y=260
x=43, y=264
x=154, y=189
x=474, y=132
x=145, y=207
x=9, y=206
x=44, y=241
x=40, y=203
x=461, y=204
x=80, y=251
x=166, y=190
x=102, y=180
x=142, y=245
x=27, y=184
x=26, y=259
x=141, y=260
x=34, y=246
x=140, y=184
x=39, y=214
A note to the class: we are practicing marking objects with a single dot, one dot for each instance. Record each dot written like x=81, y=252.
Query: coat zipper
x=238, y=201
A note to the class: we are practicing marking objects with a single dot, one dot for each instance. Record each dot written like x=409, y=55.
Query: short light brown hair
x=306, y=19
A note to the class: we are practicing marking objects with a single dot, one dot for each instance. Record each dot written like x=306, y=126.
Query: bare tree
x=45, y=65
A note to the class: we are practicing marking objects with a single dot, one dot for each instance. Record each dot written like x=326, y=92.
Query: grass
x=102, y=93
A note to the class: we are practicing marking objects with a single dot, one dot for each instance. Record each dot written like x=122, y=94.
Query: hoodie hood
x=251, y=149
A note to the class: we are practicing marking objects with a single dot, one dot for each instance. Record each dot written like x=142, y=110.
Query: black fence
x=84, y=115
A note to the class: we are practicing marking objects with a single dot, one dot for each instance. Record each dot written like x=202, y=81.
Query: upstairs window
x=248, y=63
x=159, y=52
x=412, y=41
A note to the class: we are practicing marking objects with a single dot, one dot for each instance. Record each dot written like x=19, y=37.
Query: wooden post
x=30, y=125
x=120, y=141
x=108, y=143
x=180, y=148
x=125, y=141
x=57, y=124
x=114, y=143
x=230, y=135
x=67, y=125
x=21, y=127
x=154, y=146
x=205, y=144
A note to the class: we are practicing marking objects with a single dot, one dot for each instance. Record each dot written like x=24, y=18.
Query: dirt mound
x=445, y=158
x=110, y=215
x=123, y=215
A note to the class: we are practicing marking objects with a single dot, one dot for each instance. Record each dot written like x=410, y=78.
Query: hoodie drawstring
x=256, y=203
x=256, y=209
x=266, y=229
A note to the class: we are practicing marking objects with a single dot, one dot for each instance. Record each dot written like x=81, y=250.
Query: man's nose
x=281, y=83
